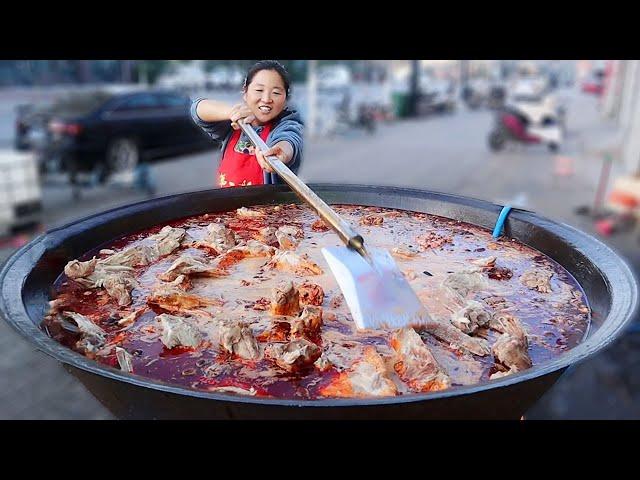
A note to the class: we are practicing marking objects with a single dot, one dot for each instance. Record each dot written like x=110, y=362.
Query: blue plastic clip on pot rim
x=497, y=230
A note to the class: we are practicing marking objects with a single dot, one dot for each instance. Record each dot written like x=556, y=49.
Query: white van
x=334, y=77
x=20, y=194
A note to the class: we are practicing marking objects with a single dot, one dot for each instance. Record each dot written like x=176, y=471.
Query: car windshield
x=80, y=104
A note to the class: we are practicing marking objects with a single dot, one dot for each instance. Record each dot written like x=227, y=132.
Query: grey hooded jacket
x=288, y=126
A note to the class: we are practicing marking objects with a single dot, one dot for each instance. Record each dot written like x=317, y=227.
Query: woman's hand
x=282, y=150
x=238, y=112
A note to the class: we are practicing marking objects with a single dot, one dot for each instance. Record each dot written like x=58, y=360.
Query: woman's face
x=266, y=95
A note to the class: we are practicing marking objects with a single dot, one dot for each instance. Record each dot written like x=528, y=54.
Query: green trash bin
x=401, y=104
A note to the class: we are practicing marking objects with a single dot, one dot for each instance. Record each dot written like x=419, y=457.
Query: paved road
x=446, y=154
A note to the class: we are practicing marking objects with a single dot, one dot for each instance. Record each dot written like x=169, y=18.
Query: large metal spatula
x=375, y=290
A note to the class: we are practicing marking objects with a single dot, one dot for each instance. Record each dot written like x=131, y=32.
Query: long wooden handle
x=346, y=233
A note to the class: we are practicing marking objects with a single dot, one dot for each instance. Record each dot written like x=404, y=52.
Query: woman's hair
x=268, y=65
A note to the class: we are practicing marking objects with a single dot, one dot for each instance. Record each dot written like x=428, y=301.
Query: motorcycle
x=528, y=122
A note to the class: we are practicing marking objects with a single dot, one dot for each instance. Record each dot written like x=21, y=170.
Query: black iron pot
x=26, y=279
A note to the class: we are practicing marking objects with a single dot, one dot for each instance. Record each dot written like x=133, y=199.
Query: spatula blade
x=378, y=296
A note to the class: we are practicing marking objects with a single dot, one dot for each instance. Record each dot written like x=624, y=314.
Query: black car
x=105, y=133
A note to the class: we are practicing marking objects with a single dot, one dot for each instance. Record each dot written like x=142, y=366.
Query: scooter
x=363, y=116
x=540, y=123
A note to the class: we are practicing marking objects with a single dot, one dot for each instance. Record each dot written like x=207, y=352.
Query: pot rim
x=619, y=278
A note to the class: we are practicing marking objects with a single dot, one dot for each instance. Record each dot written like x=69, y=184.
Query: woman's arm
x=217, y=118
x=287, y=136
x=283, y=150
x=216, y=111
x=213, y=111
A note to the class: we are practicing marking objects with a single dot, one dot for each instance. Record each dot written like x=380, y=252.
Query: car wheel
x=122, y=158
x=553, y=147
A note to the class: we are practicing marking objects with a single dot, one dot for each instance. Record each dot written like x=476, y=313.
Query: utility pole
x=125, y=71
x=464, y=73
x=414, y=93
x=312, y=82
x=84, y=72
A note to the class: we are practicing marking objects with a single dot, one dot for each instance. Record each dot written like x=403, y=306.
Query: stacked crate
x=20, y=194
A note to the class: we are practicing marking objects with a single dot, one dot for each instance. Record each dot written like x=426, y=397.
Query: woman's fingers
x=238, y=112
x=273, y=151
x=262, y=161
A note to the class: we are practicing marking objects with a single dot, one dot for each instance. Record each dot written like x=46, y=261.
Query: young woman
x=265, y=93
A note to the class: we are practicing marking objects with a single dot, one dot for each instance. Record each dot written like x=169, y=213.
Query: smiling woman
x=265, y=93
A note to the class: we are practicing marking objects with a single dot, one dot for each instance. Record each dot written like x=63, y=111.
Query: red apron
x=238, y=167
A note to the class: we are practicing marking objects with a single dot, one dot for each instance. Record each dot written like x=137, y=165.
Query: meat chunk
x=285, y=300
x=254, y=248
x=132, y=317
x=511, y=348
x=125, y=360
x=319, y=226
x=506, y=323
x=472, y=316
x=164, y=242
x=500, y=374
x=251, y=249
x=367, y=377
x=455, y=337
x=486, y=262
x=233, y=389
x=537, y=280
x=309, y=323
x=168, y=240
x=267, y=235
x=416, y=365
x=177, y=331
x=311, y=294
x=371, y=220
x=244, y=212
x=465, y=282
x=493, y=271
x=278, y=332
x=323, y=363
x=404, y=253
x=219, y=238
x=188, y=265
x=239, y=340
x=172, y=297
x=76, y=269
x=432, y=240
x=262, y=304
x=87, y=327
x=288, y=261
x=139, y=255
x=294, y=356
x=292, y=230
x=289, y=237
x=117, y=280
x=499, y=273
x=512, y=352
x=118, y=285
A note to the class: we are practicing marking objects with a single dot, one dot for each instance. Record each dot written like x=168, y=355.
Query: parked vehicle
x=29, y=124
x=436, y=95
x=187, y=77
x=594, y=83
x=20, y=194
x=102, y=134
x=351, y=114
x=334, y=77
x=529, y=120
x=218, y=78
